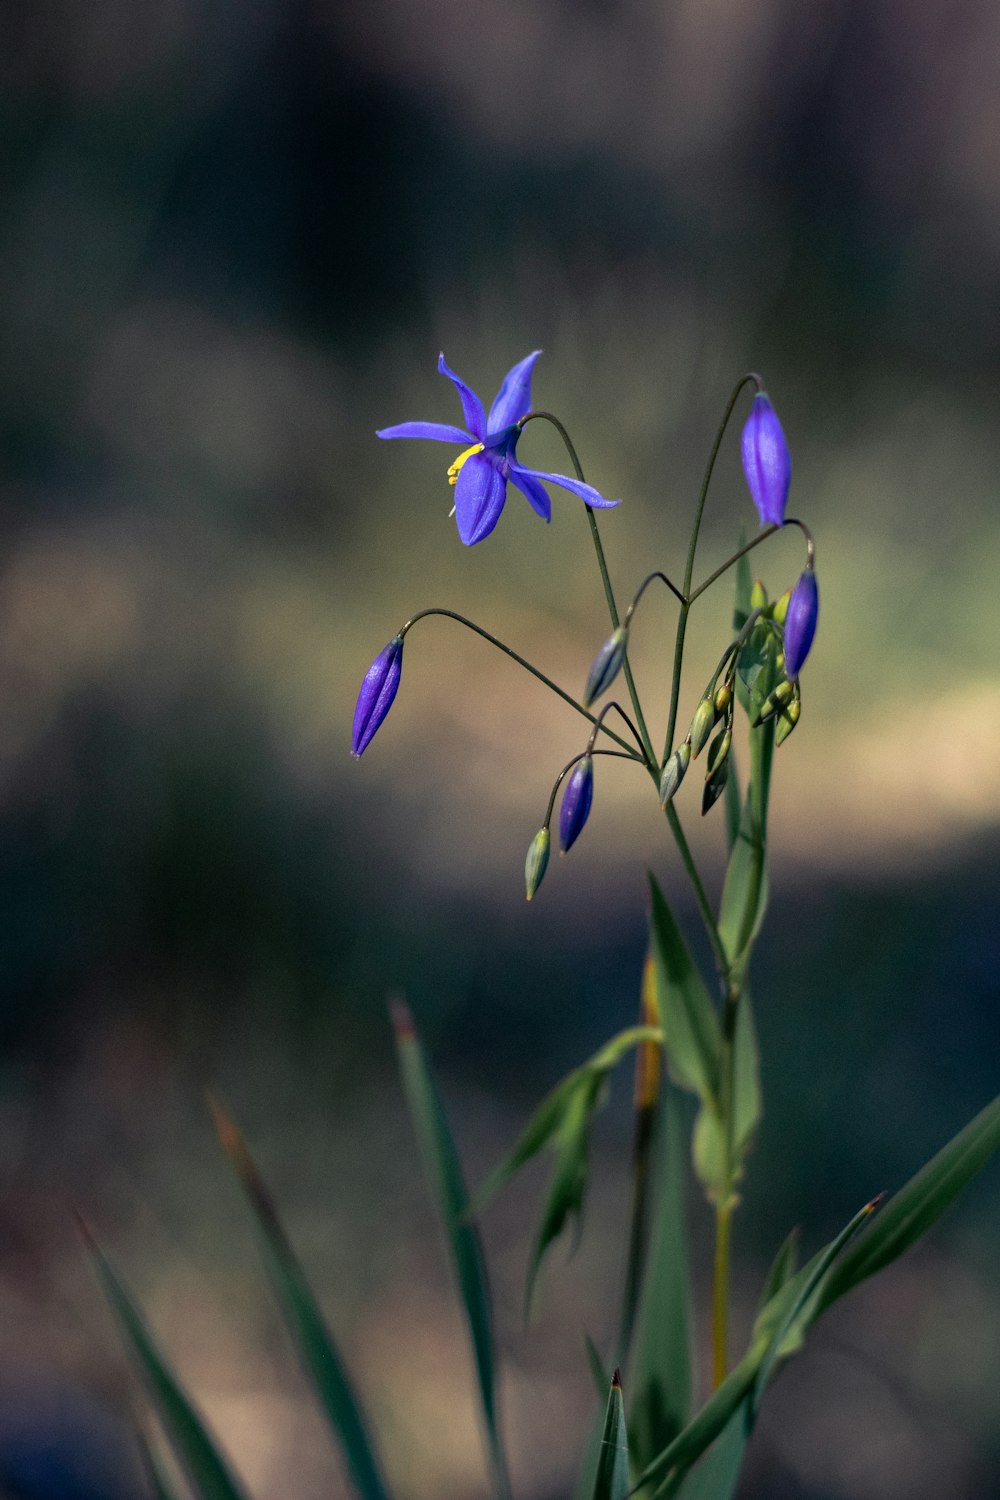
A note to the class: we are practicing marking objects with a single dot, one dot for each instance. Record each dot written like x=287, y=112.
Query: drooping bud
x=779, y=609
x=607, y=665
x=773, y=702
x=718, y=750
x=575, y=808
x=376, y=695
x=701, y=725
x=787, y=720
x=673, y=772
x=537, y=861
x=758, y=595
x=767, y=462
x=800, y=623
x=723, y=698
x=714, y=788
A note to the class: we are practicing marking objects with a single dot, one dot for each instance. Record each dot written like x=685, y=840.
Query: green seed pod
x=718, y=752
x=723, y=698
x=779, y=608
x=537, y=862
x=714, y=788
x=758, y=595
x=781, y=695
x=701, y=726
x=787, y=720
x=673, y=772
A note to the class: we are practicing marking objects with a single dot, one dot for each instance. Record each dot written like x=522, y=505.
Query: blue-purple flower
x=767, y=462
x=377, y=693
x=575, y=808
x=800, y=622
x=480, y=473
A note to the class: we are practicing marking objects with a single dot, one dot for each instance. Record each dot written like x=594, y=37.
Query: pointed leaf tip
x=616, y=1380
x=402, y=1018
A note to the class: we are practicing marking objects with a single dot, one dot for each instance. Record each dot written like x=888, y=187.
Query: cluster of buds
x=714, y=709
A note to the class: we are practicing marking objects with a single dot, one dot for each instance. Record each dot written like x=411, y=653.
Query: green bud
x=673, y=772
x=718, y=751
x=537, y=861
x=779, y=608
x=701, y=726
x=787, y=720
x=714, y=788
x=723, y=698
x=781, y=695
x=758, y=595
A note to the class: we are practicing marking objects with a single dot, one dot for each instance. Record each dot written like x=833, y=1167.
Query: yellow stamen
x=456, y=467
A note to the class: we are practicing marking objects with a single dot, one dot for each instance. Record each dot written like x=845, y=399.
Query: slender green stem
x=700, y=894
x=618, y=754
x=713, y=577
x=720, y=1293
x=451, y=614
x=609, y=593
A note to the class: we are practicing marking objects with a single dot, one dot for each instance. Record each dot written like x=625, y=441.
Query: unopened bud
x=673, y=772
x=723, y=698
x=787, y=720
x=701, y=726
x=781, y=695
x=714, y=788
x=606, y=666
x=758, y=595
x=536, y=862
x=779, y=609
x=577, y=797
x=718, y=751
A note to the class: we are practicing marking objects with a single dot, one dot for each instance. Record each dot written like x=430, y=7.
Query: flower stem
x=720, y=1293
x=451, y=614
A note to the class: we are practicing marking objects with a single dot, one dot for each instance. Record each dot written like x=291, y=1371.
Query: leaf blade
x=611, y=1481
x=690, y=1022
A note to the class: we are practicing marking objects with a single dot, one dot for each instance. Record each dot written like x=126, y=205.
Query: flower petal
x=586, y=492
x=472, y=407
x=479, y=496
x=437, y=431
x=532, y=492
x=514, y=398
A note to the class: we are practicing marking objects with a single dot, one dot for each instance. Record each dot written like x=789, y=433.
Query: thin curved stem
x=451, y=614
x=714, y=577
x=614, y=704
x=618, y=755
x=644, y=585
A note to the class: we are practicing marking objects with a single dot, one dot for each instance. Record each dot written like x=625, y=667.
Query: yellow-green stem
x=720, y=1293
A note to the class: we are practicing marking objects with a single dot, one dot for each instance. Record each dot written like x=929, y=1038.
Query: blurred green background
x=235, y=238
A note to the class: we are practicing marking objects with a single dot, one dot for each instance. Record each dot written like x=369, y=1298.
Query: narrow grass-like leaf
x=716, y=1476
x=733, y=803
x=646, y=1098
x=444, y=1173
x=160, y=1487
x=746, y=1079
x=206, y=1469
x=689, y=1019
x=914, y=1210
x=309, y=1332
x=744, y=891
x=660, y=1378
x=688, y=1446
x=611, y=1481
x=783, y=1268
x=545, y=1123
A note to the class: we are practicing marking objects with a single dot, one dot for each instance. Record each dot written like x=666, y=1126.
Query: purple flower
x=800, y=623
x=767, y=462
x=481, y=472
x=377, y=693
x=576, y=802
x=606, y=665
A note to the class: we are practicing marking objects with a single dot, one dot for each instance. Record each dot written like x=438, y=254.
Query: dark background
x=235, y=237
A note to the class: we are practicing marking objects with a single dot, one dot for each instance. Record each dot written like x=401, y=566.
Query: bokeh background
x=236, y=236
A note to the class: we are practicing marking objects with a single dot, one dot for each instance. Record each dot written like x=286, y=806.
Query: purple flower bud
x=606, y=666
x=576, y=802
x=800, y=622
x=377, y=693
x=767, y=462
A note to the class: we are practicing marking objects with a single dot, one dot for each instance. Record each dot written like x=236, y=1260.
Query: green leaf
x=782, y=1268
x=305, y=1323
x=160, y=1487
x=660, y=1379
x=716, y=1476
x=746, y=1080
x=912, y=1211
x=444, y=1174
x=688, y=1446
x=733, y=798
x=546, y=1122
x=206, y=1469
x=690, y=1024
x=568, y=1183
x=744, y=893
x=611, y=1481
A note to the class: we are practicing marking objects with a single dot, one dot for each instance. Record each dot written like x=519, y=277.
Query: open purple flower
x=376, y=695
x=480, y=473
x=767, y=462
x=800, y=622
